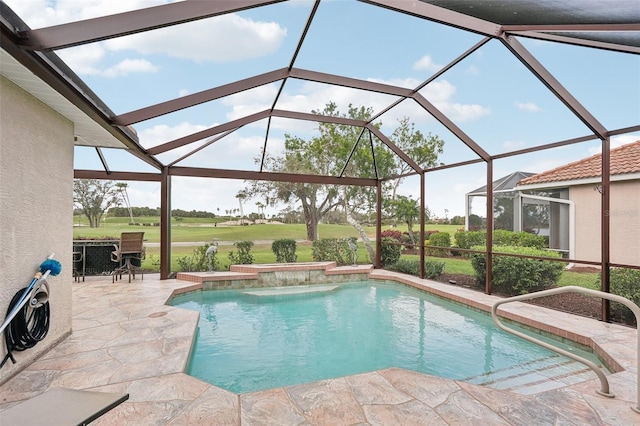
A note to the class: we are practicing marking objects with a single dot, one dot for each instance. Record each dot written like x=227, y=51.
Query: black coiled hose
x=28, y=327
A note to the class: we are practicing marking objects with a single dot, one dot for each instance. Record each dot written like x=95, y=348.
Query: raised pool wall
x=277, y=275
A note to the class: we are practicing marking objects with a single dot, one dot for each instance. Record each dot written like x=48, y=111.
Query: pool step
x=536, y=376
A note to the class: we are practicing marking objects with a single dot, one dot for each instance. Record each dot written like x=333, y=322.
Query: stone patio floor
x=126, y=339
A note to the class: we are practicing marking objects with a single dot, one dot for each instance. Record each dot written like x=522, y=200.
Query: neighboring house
x=580, y=184
x=503, y=189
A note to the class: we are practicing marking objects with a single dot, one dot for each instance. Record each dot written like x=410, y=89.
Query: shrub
x=407, y=266
x=389, y=251
x=624, y=282
x=468, y=239
x=441, y=239
x=503, y=237
x=244, y=256
x=406, y=239
x=285, y=250
x=513, y=275
x=429, y=233
x=392, y=233
x=432, y=269
x=332, y=249
x=198, y=261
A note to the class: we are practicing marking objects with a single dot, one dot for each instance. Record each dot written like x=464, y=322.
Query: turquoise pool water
x=250, y=342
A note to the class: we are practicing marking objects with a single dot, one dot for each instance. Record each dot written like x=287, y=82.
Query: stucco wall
x=625, y=222
x=36, y=204
x=624, y=216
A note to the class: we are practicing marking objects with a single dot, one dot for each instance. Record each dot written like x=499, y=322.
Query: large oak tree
x=342, y=150
x=95, y=197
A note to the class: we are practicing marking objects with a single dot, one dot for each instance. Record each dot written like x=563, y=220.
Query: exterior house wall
x=624, y=215
x=36, y=188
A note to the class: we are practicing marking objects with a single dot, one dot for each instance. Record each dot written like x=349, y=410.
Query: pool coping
x=126, y=339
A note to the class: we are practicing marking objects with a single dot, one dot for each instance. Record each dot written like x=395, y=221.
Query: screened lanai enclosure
x=193, y=99
x=547, y=213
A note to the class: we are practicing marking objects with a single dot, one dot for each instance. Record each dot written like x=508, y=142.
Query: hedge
x=514, y=275
x=432, y=269
x=440, y=239
x=624, y=282
x=501, y=237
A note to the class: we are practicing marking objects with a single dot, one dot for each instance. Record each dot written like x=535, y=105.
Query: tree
x=241, y=196
x=95, y=197
x=260, y=207
x=342, y=150
x=316, y=156
x=457, y=220
x=422, y=149
x=408, y=211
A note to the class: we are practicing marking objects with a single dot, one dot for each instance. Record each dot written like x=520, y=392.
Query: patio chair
x=130, y=248
x=78, y=265
x=62, y=406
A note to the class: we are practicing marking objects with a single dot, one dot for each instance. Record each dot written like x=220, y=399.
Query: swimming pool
x=250, y=340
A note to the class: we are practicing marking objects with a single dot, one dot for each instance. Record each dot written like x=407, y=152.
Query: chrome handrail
x=604, y=383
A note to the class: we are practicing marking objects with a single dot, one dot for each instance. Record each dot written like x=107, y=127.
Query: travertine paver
x=126, y=340
x=272, y=406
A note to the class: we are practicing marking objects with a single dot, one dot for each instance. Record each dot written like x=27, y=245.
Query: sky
x=489, y=95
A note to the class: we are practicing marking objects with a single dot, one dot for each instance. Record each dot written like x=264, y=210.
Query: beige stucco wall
x=624, y=216
x=36, y=204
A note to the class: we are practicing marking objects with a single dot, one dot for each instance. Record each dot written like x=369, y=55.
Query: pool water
x=256, y=341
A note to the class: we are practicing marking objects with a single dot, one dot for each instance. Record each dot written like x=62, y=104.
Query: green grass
x=580, y=279
x=202, y=230
x=452, y=265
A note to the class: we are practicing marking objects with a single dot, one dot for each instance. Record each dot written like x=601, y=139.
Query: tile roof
x=624, y=159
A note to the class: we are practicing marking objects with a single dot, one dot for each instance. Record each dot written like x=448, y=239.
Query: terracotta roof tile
x=624, y=159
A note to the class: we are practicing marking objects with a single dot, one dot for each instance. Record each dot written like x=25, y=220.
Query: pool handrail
x=604, y=383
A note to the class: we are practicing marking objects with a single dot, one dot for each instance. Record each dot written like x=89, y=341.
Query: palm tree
x=407, y=210
x=241, y=195
x=260, y=207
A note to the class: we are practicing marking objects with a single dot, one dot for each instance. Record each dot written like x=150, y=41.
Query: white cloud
x=314, y=96
x=84, y=60
x=426, y=63
x=223, y=38
x=615, y=142
x=41, y=13
x=473, y=70
x=528, y=106
x=220, y=39
x=233, y=148
x=184, y=92
x=129, y=66
x=87, y=60
x=440, y=93
x=513, y=145
x=162, y=133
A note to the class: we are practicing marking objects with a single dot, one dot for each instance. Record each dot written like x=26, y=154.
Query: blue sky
x=490, y=95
